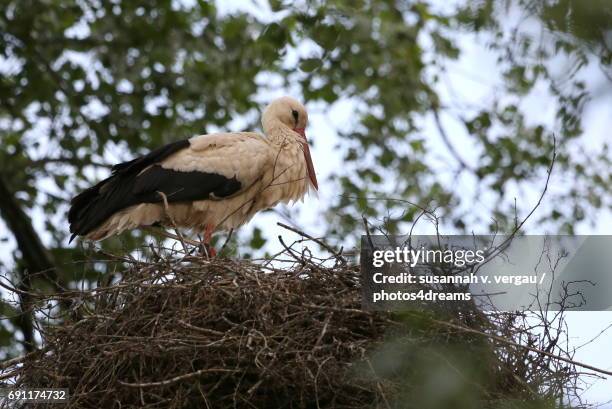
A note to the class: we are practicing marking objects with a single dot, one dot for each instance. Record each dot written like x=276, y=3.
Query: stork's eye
x=295, y=115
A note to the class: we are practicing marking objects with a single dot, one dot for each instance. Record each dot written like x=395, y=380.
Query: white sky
x=472, y=80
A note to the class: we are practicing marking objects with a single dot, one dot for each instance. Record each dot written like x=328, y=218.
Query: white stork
x=209, y=182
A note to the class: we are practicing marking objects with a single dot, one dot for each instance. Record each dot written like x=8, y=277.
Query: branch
x=36, y=257
x=67, y=160
x=448, y=143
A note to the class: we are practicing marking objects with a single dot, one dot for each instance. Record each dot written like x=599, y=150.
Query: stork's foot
x=206, y=248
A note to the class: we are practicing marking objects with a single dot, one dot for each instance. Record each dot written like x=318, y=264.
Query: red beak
x=309, y=165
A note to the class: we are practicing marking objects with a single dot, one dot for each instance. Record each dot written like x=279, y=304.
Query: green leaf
x=310, y=64
x=257, y=240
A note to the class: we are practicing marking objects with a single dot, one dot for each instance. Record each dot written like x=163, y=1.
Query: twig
x=510, y=237
x=169, y=216
x=367, y=229
x=17, y=360
x=176, y=378
x=510, y=342
x=448, y=143
x=291, y=252
x=229, y=236
x=318, y=241
x=171, y=236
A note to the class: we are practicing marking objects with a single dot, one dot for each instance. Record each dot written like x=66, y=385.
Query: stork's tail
x=94, y=206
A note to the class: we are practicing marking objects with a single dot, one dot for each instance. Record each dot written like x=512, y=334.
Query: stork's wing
x=205, y=167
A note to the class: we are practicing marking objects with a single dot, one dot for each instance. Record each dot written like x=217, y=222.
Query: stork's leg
x=208, y=231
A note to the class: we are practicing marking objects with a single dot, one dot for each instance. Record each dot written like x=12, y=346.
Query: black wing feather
x=139, y=181
x=156, y=155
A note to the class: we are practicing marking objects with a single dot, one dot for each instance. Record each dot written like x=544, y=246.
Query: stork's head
x=287, y=111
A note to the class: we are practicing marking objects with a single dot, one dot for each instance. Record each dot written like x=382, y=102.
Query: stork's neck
x=279, y=133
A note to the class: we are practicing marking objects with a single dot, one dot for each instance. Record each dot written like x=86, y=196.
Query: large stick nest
x=184, y=331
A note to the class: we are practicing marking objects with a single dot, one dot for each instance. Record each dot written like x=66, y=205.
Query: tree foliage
x=86, y=82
